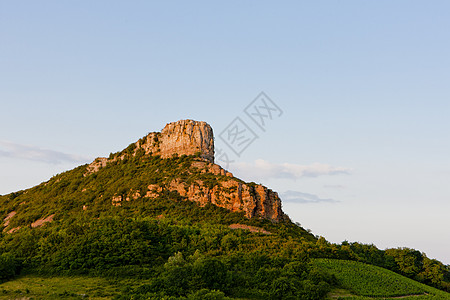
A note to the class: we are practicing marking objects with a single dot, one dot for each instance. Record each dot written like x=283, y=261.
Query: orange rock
x=116, y=200
x=14, y=229
x=41, y=222
x=187, y=137
x=8, y=218
x=257, y=201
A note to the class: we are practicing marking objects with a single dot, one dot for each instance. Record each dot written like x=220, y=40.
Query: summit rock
x=184, y=137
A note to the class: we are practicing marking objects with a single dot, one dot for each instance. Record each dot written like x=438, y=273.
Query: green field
x=77, y=287
x=362, y=281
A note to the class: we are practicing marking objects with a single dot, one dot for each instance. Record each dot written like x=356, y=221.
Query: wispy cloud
x=14, y=150
x=299, y=197
x=264, y=169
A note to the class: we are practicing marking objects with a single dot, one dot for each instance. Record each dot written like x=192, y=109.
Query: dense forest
x=178, y=249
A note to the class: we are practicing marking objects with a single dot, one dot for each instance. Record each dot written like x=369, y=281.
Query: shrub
x=9, y=266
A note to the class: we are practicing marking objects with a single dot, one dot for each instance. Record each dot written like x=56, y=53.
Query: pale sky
x=358, y=149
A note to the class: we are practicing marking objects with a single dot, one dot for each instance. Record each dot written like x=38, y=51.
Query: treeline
x=175, y=260
x=255, y=276
x=405, y=261
x=179, y=260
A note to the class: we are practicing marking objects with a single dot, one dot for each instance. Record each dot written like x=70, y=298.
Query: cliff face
x=188, y=137
x=182, y=137
x=231, y=193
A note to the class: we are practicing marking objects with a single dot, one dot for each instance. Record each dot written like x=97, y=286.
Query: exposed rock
x=153, y=191
x=188, y=137
x=12, y=230
x=249, y=228
x=97, y=164
x=133, y=195
x=8, y=218
x=185, y=137
x=116, y=200
x=253, y=200
x=41, y=222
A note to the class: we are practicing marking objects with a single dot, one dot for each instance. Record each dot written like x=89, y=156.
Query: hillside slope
x=362, y=281
x=176, y=225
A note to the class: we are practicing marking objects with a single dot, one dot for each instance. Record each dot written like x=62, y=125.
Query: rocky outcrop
x=227, y=191
x=253, y=200
x=8, y=218
x=188, y=137
x=185, y=137
x=41, y=222
x=97, y=164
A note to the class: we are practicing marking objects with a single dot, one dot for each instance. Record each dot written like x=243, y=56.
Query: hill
x=165, y=221
x=363, y=281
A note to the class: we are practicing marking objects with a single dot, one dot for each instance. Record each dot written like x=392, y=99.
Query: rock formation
x=253, y=199
x=188, y=137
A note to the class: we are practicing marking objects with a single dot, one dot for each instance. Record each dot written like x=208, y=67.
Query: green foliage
x=198, y=276
x=373, y=281
x=66, y=194
x=409, y=262
x=405, y=261
x=9, y=266
x=205, y=294
x=175, y=248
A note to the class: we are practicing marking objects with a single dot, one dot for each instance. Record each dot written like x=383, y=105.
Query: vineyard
x=371, y=282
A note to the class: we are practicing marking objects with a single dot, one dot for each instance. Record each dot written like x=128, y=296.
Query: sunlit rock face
x=187, y=137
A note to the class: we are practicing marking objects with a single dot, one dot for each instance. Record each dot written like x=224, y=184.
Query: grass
x=77, y=287
x=361, y=281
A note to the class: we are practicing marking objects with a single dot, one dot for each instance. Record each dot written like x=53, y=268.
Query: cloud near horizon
x=19, y=151
x=300, y=197
x=264, y=169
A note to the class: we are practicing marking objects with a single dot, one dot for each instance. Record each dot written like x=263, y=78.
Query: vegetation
x=60, y=287
x=9, y=266
x=408, y=262
x=372, y=281
x=169, y=248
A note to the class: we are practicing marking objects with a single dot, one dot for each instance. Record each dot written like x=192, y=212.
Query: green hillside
x=355, y=281
x=167, y=247
x=367, y=281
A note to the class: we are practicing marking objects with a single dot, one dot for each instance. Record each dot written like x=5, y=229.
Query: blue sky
x=360, y=152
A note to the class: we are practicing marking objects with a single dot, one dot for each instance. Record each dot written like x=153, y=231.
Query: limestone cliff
x=183, y=137
x=188, y=137
x=231, y=193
